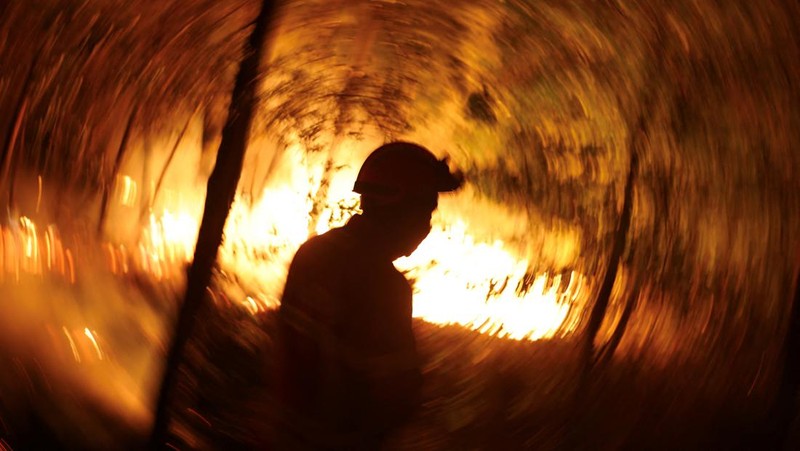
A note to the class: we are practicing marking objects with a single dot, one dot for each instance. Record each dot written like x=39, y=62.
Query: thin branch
x=167, y=163
x=121, y=151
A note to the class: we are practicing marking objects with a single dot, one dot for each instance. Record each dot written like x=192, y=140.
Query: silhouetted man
x=350, y=371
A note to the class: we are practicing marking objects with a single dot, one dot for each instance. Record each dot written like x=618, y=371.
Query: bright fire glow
x=482, y=286
x=26, y=249
x=457, y=278
x=90, y=336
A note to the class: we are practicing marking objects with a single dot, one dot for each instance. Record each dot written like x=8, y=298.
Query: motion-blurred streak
x=539, y=102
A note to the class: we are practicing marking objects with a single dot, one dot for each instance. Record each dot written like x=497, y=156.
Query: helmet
x=401, y=169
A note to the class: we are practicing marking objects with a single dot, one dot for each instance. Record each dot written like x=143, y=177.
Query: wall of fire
x=541, y=103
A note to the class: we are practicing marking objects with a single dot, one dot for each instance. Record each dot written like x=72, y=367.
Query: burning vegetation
x=620, y=269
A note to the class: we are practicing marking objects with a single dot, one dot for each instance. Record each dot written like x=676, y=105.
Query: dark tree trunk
x=589, y=356
x=600, y=307
x=220, y=193
x=784, y=412
x=638, y=125
x=604, y=354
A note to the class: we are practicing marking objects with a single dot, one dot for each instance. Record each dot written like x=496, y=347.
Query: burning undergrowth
x=542, y=103
x=476, y=269
x=101, y=308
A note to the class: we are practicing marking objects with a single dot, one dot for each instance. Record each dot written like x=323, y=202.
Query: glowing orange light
x=458, y=278
x=90, y=335
x=474, y=284
x=72, y=345
x=128, y=191
x=71, y=265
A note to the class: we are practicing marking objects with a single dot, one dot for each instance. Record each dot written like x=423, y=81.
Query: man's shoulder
x=333, y=243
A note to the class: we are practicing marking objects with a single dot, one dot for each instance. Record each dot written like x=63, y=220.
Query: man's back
x=349, y=365
x=350, y=370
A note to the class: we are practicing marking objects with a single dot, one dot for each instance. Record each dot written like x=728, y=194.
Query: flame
x=72, y=346
x=27, y=249
x=167, y=241
x=90, y=336
x=458, y=279
x=128, y=191
x=484, y=287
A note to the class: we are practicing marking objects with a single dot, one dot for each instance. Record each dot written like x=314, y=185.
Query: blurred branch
x=19, y=113
x=121, y=151
x=171, y=156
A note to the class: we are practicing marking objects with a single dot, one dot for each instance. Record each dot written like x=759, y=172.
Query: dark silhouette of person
x=349, y=369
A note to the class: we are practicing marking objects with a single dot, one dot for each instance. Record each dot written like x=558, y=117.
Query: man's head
x=399, y=185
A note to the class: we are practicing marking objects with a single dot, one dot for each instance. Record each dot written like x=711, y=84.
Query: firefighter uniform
x=350, y=369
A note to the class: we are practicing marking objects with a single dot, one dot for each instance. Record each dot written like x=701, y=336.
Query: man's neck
x=372, y=232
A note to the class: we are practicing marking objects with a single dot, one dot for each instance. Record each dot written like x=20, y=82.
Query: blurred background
x=620, y=270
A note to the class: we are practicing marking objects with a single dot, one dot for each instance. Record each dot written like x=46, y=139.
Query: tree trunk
x=220, y=193
x=589, y=357
x=638, y=125
x=603, y=356
x=620, y=239
x=782, y=420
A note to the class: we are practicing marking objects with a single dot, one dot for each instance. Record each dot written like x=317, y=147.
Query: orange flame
x=457, y=278
x=27, y=250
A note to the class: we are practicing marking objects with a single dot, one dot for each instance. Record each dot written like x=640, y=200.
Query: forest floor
x=480, y=392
